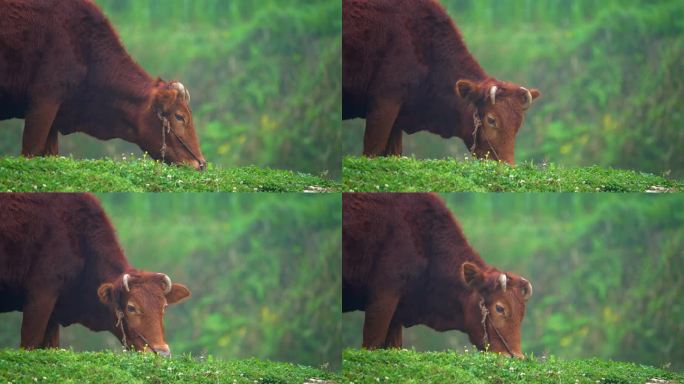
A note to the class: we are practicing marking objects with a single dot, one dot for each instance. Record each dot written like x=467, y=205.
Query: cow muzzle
x=199, y=165
x=162, y=350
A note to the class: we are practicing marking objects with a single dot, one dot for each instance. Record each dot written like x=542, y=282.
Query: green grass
x=403, y=366
x=61, y=366
x=397, y=174
x=61, y=174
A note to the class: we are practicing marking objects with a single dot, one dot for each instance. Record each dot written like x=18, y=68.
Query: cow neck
x=452, y=62
x=117, y=86
x=441, y=292
x=126, y=105
x=104, y=260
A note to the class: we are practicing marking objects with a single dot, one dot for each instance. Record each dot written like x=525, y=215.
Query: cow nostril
x=202, y=165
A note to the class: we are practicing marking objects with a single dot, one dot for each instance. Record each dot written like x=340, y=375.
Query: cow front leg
x=52, y=143
x=394, y=147
x=37, y=128
x=37, y=311
x=394, y=335
x=379, y=313
x=379, y=122
x=51, y=339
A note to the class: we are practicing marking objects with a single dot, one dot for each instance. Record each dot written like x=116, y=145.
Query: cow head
x=170, y=112
x=495, y=308
x=500, y=108
x=138, y=301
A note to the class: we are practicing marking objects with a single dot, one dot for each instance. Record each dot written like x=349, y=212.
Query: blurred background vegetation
x=263, y=269
x=607, y=272
x=264, y=78
x=610, y=72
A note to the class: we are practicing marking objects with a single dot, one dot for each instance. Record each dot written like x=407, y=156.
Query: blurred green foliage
x=607, y=271
x=263, y=269
x=610, y=72
x=264, y=77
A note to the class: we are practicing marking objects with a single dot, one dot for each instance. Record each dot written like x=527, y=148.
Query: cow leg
x=51, y=339
x=37, y=312
x=52, y=144
x=379, y=123
x=394, y=147
x=37, y=128
x=379, y=313
x=394, y=335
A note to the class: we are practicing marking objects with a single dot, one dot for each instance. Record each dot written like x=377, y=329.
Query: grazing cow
x=61, y=263
x=406, y=68
x=63, y=69
x=407, y=262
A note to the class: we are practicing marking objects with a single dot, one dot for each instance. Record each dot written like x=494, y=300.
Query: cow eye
x=491, y=120
x=499, y=308
x=179, y=117
x=130, y=308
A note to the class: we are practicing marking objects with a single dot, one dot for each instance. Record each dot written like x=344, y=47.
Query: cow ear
x=467, y=90
x=106, y=293
x=164, y=99
x=177, y=293
x=535, y=93
x=471, y=274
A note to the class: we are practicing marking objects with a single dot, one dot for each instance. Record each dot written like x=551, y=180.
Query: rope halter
x=166, y=128
x=477, y=122
x=486, y=341
x=120, y=318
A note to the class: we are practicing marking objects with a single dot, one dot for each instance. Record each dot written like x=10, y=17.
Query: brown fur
x=407, y=262
x=63, y=69
x=402, y=60
x=61, y=264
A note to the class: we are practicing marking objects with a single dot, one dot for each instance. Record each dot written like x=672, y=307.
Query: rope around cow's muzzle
x=477, y=122
x=120, y=323
x=166, y=128
x=485, y=339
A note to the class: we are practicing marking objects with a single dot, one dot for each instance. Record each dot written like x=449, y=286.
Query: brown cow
x=61, y=263
x=407, y=262
x=406, y=68
x=63, y=69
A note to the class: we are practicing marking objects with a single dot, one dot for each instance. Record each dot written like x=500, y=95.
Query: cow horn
x=528, y=101
x=182, y=90
x=492, y=93
x=126, y=276
x=527, y=289
x=502, y=281
x=167, y=283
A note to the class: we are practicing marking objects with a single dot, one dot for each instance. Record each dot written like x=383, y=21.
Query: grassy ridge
x=61, y=174
x=61, y=366
x=397, y=174
x=403, y=366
